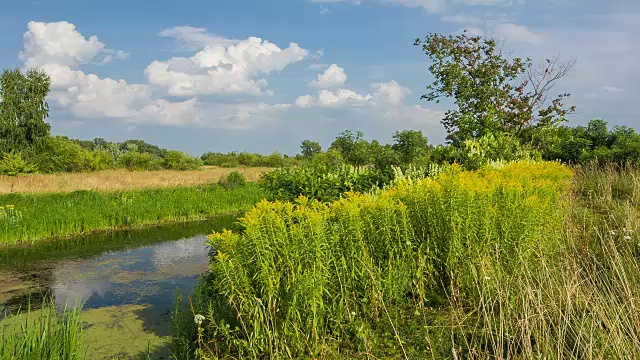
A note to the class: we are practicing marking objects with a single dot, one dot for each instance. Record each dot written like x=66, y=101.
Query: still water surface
x=127, y=281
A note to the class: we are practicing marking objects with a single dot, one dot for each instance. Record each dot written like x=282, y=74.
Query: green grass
x=27, y=218
x=42, y=334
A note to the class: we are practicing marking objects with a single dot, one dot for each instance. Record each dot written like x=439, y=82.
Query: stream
x=127, y=281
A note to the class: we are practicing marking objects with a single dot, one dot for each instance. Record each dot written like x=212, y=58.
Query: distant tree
x=410, y=145
x=354, y=149
x=23, y=109
x=493, y=93
x=143, y=147
x=310, y=148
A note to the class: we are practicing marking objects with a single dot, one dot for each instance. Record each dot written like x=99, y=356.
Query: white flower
x=627, y=237
x=198, y=319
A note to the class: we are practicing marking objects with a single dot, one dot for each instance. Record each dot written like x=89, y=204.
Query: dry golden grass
x=118, y=180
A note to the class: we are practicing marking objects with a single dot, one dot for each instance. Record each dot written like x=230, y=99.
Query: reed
x=42, y=334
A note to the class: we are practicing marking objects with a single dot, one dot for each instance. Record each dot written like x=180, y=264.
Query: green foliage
x=354, y=149
x=490, y=148
x=320, y=182
x=411, y=146
x=42, y=334
x=23, y=109
x=59, y=154
x=593, y=143
x=315, y=280
x=233, y=159
x=233, y=180
x=310, y=149
x=488, y=88
x=34, y=217
x=142, y=147
x=133, y=160
x=177, y=160
x=13, y=164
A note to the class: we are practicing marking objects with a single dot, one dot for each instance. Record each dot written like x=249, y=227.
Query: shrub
x=320, y=182
x=60, y=154
x=140, y=161
x=233, y=180
x=101, y=160
x=13, y=164
x=177, y=160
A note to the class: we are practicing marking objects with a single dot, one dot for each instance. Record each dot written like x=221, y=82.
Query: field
x=117, y=180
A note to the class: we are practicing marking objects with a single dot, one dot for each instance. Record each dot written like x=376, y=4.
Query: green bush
x=101, y=160
x=320, y=182
x=60, y=154
x=140, y=161
x=233, y=180
x=177, y=160
x=13, y=164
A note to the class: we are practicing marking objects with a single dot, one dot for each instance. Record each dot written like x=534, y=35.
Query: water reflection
x=133, y=267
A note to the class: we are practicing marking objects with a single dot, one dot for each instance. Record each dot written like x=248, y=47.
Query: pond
x=127, y=280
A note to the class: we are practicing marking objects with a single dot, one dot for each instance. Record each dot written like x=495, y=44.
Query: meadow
x=120, y=179
x=518, y=260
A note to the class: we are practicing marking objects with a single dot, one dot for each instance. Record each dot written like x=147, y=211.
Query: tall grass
x=43, y=334
x=119, y=180
x=33, y=217
x=375, y=274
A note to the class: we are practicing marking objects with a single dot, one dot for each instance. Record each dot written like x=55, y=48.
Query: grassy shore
x=494, y=264
x=118, y=180
x=27, y=218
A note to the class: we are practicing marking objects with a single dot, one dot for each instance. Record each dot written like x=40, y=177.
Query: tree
x=23, y=109
x=493, y=93
x=352, y=146
x=310, y=148
x=411, y=145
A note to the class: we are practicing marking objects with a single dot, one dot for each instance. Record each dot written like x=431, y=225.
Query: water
x=127, y=280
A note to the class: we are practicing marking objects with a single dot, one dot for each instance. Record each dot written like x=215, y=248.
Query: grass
x=119, y=180
x=42, y=334
x=501, y=263
x=28, y=218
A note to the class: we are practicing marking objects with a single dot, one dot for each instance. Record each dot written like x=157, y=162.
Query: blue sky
x=264, y=75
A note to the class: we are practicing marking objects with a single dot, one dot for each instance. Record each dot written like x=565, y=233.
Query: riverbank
x=29, y=218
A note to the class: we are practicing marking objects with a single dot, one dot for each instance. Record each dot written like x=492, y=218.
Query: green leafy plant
x=13, y=164
x=233, y=180
x=177, y=160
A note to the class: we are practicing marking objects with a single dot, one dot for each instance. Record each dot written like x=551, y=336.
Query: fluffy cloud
x=390, y=93
x=224, y=67
x=333, y=76
x=59, y=49
x=57, y=43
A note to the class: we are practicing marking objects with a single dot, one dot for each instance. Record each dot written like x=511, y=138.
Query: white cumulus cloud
x=224, y=67
x=333, y=76
x=59, y=49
